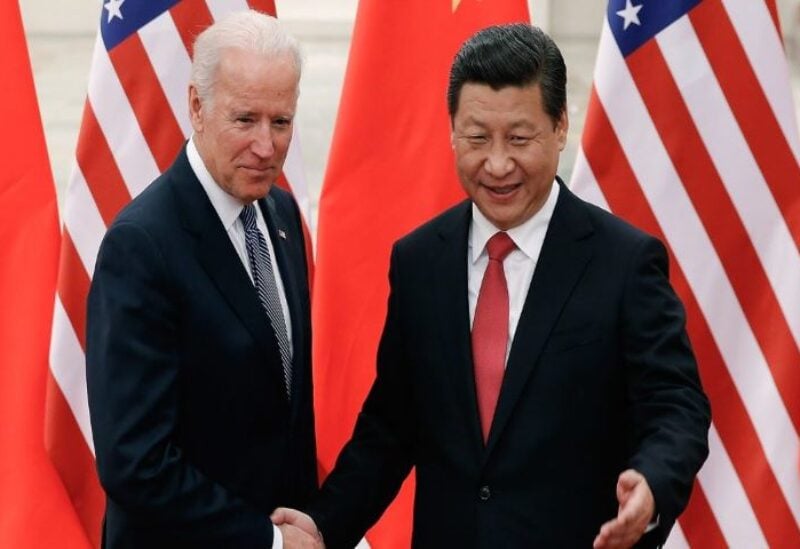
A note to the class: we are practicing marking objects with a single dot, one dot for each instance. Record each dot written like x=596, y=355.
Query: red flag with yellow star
x=390, y=169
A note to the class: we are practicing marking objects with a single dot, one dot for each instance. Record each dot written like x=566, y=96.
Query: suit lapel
x=453, y=309
x=565, y=254
x=219, y=259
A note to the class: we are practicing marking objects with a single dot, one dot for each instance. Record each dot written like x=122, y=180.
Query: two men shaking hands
x=534, y=366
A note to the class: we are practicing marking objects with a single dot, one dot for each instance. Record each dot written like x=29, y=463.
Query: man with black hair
x=534, y=366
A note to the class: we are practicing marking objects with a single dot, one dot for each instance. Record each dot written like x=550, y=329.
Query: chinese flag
x=34, y=508
x=391, y=168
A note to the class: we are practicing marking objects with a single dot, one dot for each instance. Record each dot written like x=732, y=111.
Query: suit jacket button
x=484, y=493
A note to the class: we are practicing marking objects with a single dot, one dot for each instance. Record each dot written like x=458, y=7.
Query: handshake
x=298, y=529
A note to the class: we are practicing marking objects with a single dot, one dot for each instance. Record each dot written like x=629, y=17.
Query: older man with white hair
x=198, y=330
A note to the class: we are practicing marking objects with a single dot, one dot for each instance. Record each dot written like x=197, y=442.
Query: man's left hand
x=636, y=507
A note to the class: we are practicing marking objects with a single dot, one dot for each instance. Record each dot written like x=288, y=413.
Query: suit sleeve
x=378, y=457
x=133, y=363
x=669, y=412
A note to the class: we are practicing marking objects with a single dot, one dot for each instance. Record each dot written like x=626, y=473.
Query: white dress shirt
x=228, y=209
x=518, y=265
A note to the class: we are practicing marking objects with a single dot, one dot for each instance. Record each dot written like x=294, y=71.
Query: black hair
x=516, y=54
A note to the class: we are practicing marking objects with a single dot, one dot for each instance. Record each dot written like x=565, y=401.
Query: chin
x=505, y=222
x=255, y=191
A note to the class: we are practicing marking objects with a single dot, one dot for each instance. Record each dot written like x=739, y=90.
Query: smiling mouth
x=502, y=191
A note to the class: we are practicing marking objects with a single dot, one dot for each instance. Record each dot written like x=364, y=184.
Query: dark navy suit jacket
x=196, y=439
x=600, y=378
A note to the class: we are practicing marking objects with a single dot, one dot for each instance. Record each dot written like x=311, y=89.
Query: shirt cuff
x=277, y=538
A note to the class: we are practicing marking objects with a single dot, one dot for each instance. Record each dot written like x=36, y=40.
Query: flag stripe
x=734, y=512
x=719, y=218
x=190, y=17
x=283, y=183
x=119, y=126
x=172, y=65
x=676, y=539
x=66, y=354
x=221, y=8
x=150, y=106
x=605, y=156
x=74, y=462
x=698, y=526
x=266, y=6
x=744, y=181
x=82, y=220
x=763, y=45
x=751, y=109
x=739, y=437
x=773, y=12
x=584, y=181
x=293, y=170
x=73, y=287
x=96, y=161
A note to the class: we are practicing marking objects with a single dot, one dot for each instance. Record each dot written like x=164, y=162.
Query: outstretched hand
x=301, y=529
x=636, y=508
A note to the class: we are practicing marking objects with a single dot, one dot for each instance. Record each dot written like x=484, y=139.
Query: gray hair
x=248, y=30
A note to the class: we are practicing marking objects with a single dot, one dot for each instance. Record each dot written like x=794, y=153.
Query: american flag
x=691, y=134
x=135, y=121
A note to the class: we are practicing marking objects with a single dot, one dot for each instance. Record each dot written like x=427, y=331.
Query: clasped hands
x=297, y=528
x=636, y=508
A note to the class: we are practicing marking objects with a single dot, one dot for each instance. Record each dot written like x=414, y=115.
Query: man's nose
x=263, y=145
x=499, y=162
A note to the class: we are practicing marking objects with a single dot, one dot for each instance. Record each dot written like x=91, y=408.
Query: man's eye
x=477, y=139
x=244, y=119
x=519, y=139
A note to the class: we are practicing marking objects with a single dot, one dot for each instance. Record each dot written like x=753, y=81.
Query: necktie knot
x=248, y=217
x=499, y=246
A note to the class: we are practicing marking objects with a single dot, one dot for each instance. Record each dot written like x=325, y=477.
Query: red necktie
x=490, y=330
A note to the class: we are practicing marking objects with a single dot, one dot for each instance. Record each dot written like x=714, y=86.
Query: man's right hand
x=298, y=529
x=295, y=538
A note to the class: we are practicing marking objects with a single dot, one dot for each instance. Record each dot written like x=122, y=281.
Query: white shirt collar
x=522, y=235
x=227, y=207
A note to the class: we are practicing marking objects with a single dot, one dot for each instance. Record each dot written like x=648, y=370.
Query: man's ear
x=195, y=109
x=562, y=129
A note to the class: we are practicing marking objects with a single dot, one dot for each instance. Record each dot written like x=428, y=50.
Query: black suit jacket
x=196, y=440
x=600, y=378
